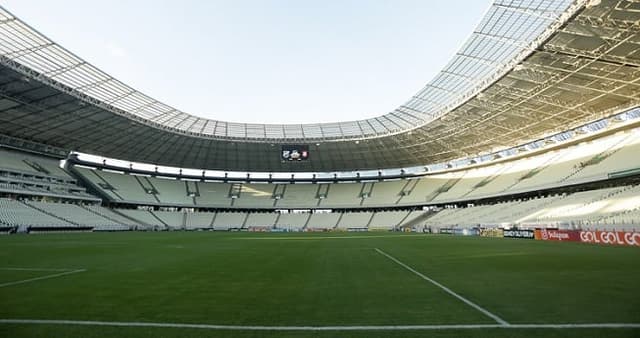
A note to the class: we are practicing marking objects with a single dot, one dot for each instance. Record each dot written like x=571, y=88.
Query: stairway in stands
x=535, y=171
x=596, y=159
x=444, y=188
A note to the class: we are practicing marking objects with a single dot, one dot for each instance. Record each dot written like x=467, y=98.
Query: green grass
x=309, y=279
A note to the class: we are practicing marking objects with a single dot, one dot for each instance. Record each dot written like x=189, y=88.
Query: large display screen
x=294, y=152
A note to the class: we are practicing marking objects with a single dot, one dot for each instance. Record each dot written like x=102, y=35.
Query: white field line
x=311, y=238
x=41, y=278
x=35, y=269
x=446, y=289
x=323, y=328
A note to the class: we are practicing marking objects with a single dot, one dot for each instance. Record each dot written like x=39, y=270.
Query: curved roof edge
x=620, y=121
x=506, y=35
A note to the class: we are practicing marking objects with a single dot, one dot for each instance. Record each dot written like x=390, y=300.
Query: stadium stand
x=229, y=220
x=123, y=222
x=32, y=163
x=384, y=194
x=415, y=219
x=173, y=219
x=421, y=190
x=261, y=220
x=512, y=175
x=355, y=220
x=77, y=215
x=621, y=156
x=255, y=196
x=292, y=221
x=606, y=208
x=125, y=187
x=497, y=168
x=199, y=220
x=29, y=174
x=323, y=220
x=214, y=194
x=593, y=160
x=299, y=196
x=599, y=159
x=16, y=213
x=341, y=195
x=609, y=208
x=144, y=218
x=169, y=191
x=387, y=220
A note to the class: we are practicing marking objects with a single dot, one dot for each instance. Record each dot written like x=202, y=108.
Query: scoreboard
x=294, y=152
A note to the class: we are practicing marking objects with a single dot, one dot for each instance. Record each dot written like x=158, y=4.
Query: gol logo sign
x=611, y=237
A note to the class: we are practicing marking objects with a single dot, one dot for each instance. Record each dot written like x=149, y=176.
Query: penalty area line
x=322, y=328
x=41, y=277
x=446, y=289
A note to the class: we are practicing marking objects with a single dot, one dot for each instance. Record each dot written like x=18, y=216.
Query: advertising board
x=518, y=233
x=491, y=233
x=557, y=235
x=611, y=237
x=466, y=232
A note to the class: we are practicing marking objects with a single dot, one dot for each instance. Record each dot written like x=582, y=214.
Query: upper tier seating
x=384, y=193
x=256, y=196
x=299, y=196
x=170, y=191
x=32, y=163
x=214, y=194
x=24, y=173
x=124, y=187
x=342, y=195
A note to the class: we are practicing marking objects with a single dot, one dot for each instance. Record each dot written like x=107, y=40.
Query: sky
x=263, y=61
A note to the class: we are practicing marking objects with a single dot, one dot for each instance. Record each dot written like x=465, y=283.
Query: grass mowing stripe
x=36, y=269
x=311, y=238
x=322, y=328
x=41, y=278
x=446, y=289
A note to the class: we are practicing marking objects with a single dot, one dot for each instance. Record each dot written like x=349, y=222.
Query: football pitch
x=206, y=284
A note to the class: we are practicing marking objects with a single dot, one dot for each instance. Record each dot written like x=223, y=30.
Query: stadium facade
x=533, y=123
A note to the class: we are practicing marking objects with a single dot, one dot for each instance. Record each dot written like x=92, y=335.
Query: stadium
x=500, y=200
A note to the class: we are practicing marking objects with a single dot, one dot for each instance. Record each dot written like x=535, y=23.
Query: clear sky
x=266, y=61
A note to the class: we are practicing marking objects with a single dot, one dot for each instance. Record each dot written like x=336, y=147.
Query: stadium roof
x=530, y=68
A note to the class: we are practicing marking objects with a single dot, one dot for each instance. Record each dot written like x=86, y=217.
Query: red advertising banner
x=557, y=235
x=611, y=237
